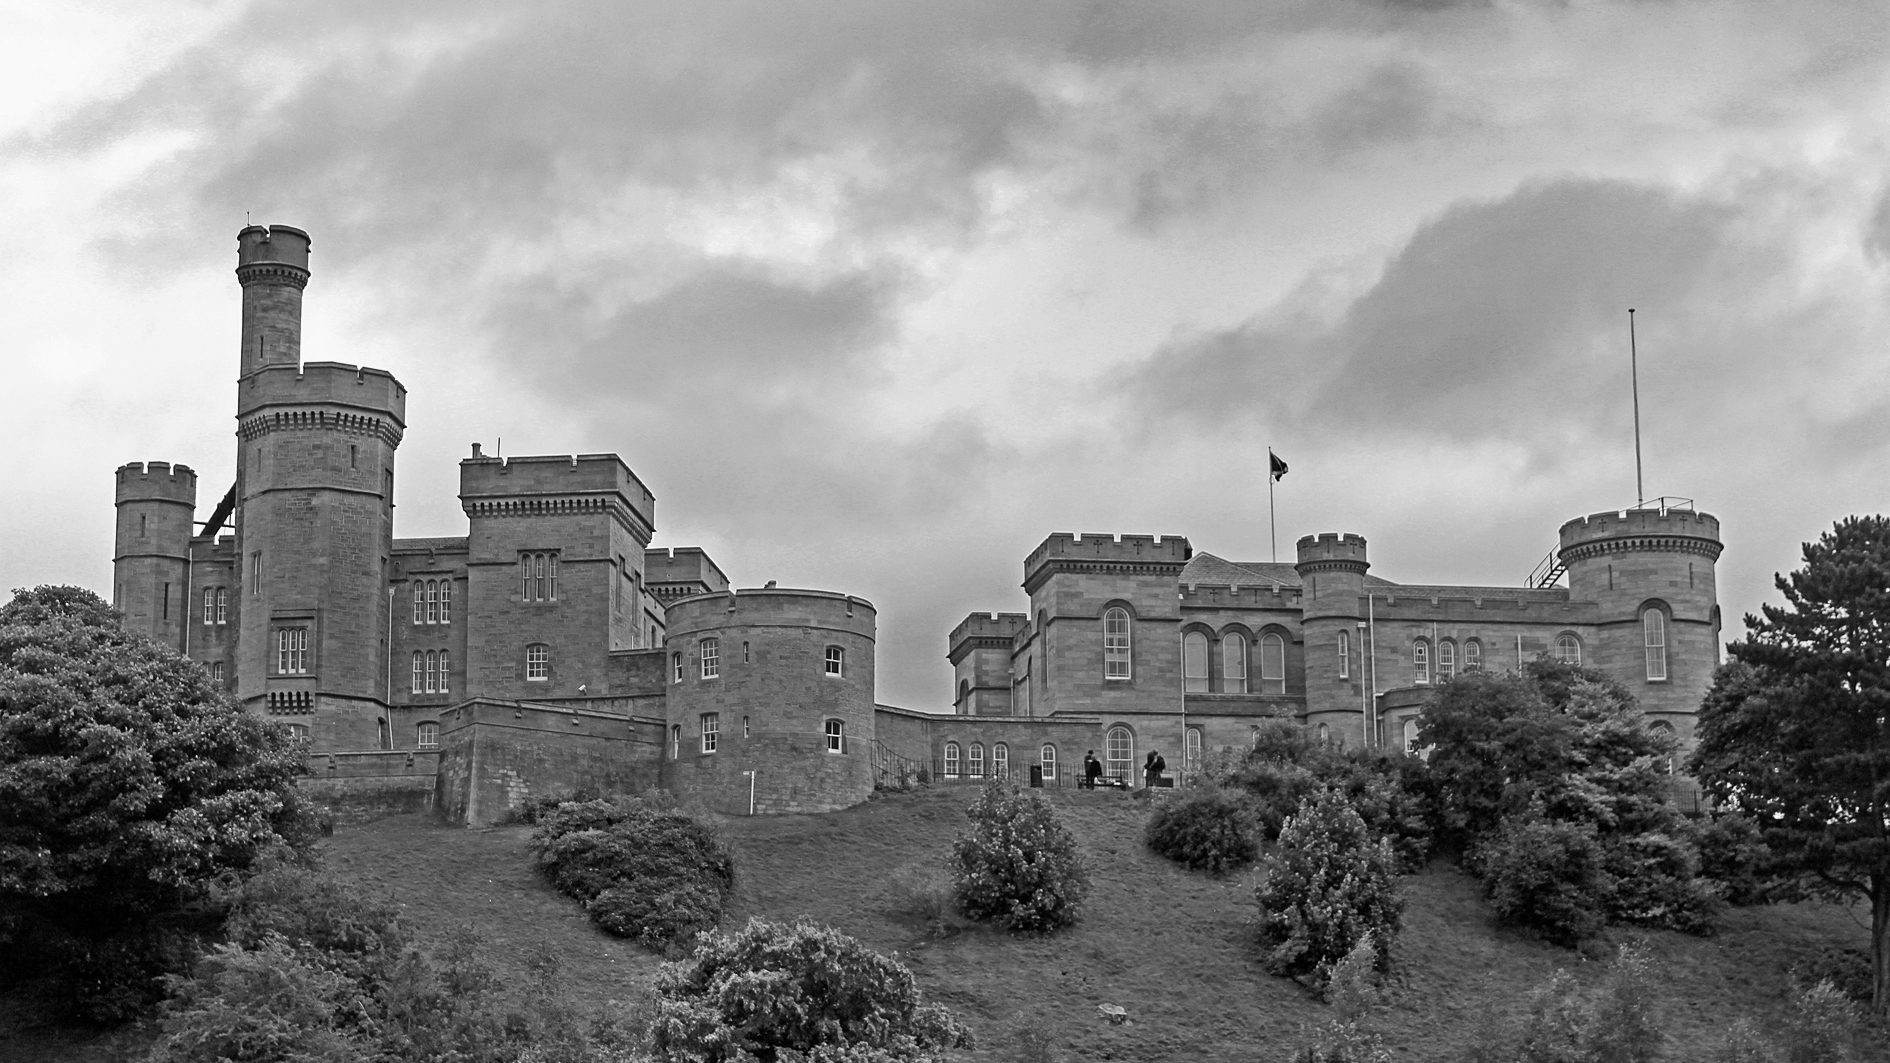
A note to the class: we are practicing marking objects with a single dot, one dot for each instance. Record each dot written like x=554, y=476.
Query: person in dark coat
x=1092, y=770
x=1153, y=767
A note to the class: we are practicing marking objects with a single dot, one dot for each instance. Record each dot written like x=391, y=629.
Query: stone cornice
x=255, y=426
x=1669, y=544
x=556, y=506
x=272, y=273
x=1099, y=566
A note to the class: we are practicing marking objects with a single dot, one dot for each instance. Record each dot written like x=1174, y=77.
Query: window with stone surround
x=711, y=656
x=1191, y=750
x=427, y=736
x=1568, y=649
x=675, y=668
x=1421, y=661
x=537, y=662
x=1654, y=640
x=711, y=730
x=223, y=605
x=1047, y=756
x=1116, y=644
x=1000, y=760
x=444, y=671
x=291, y=651
x=951, y=760
x=1472, y=655
x=419, y=672
x=209, y=606
x=1194, y=663
x=446, y=601
x=216, y=672
x=1119, y=753
x=1446, y=660
x=974, y=764
x=1234, y=663
x=1345, y=655
x=538, y=572
x=299, y=732
x=836, y=732
x=1272, y=664
x=836, y=662
x=675, y=741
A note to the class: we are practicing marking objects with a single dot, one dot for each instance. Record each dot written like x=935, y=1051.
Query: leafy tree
x=1209, y=830
x=1018, y=865
x=128, y=783
x=642, y=869
x=771, y=989
x=1328, y=884
x=1796, y=732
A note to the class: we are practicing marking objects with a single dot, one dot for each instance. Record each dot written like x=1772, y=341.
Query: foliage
x=1615, y=1024
x=1734, y=858
x=771, y=989
x=1018, y=865
x=1820, y=1025
x=1327, y=884
x=129, y=782
x=1288, y=764
x=1208, y=830
x=1552, y=1031
x=642, y=869
x=923, y=893
x=1622, y=1025
x=1555, y=785
x=1796, y=732
x=1356, y=982
x=1343, y=1041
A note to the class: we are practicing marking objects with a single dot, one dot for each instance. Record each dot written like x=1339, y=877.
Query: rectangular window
x=429, y=736
x=1345, y=655
x=209, y=607
x=836, y=736
x=745, y=731
x=216, y=672
x=537, y=662
x=836, y=661
x=354, y=456
x=223, y=606
x=711, y=730
x=446, y=601
x=292, y=650
x=711, y=658
x=167, y=601
x=675, y=665
x=255, y=574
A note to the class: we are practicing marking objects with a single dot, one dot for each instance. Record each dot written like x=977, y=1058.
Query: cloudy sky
x=874, y=296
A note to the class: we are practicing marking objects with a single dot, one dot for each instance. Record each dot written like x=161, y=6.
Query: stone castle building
x=551, y=647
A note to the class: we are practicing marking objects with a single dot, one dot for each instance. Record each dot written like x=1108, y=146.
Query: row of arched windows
x=1448, y=662
x=1565, y=647
x=430, y=671
x=970, y=760
x=432, y=601
x=1233, y=675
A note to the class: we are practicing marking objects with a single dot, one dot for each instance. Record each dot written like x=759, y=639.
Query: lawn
x=1171, y=946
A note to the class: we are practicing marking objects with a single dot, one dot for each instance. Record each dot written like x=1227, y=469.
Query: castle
x=552, y=648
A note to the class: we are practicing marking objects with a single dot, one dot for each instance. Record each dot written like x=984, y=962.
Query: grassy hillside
x=1170, y=946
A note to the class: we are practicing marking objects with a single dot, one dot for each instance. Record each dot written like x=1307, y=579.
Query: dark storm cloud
x=1499, y=319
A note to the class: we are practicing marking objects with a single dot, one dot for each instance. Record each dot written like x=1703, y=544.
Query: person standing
x=1152, y=768
x=1092, y=770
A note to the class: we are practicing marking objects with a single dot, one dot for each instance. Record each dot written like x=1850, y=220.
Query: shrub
x=1735, y=860
x=1354, y=985
x=1552, y=1031
x=1622, y=1026
x=265, y=1003
x=643, y=870
x=1207, y=830
x=1820, y=1025
x=1655, y=883
x=1341, y=1041
x=770, y=989
x=1018, y=865
x=1328, y=883
x=1546, y=876
x=924, y=894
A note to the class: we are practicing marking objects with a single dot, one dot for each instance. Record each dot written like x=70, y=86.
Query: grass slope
x=1171, y=946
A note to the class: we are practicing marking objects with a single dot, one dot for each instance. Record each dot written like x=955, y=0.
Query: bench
x=1104, y=782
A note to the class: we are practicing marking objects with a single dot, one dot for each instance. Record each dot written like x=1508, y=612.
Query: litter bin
x=1036, y=776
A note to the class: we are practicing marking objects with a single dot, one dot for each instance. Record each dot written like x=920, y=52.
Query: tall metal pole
x=1634, y=370
x=1273, y=535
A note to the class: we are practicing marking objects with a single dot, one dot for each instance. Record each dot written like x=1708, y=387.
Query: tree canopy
x=1796, y=731
x=128, y=781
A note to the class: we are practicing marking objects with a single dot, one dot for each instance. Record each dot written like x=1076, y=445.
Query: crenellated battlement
x=771, y=607
x=683, y=566
x=157, y=481
x=984, y=631
x=323, y=384
x=539, y=485
x=1330, y=550
x=1168, y=552
x=1239, y=596
x=1660, y=530
x=266, y=252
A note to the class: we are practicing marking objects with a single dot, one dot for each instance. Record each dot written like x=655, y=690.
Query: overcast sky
x=875, y=296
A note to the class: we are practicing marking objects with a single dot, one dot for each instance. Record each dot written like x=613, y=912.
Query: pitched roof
x=1207, y=568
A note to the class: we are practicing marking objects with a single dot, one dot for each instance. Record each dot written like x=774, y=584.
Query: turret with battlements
x=1331, y=570
x=151, y=548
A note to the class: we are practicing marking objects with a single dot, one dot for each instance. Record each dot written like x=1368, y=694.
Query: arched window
x=836, y=733
x=433, y=667
x=1410, y=734
x=427, y=736
x=975, y=763
x=964, y=697
x=1001, y=760
x=419, y=671
x=1047, y=756
x=1472, y=656
x=1325, y=734
x=209, y=607
x=537, y=662
x=951, y=760
x=1420, y=661
x=1664, y=730
x=1234, y=663
x=1116, y=643
x=540, y=572
x=1568, y=649
x=1654, y=637
x=1119, y=751
x=1191, y=751
x=433, y=601
x=675, y=741
x=419, y=602
x=446, y=601
x=1345, y=655
x=1446, y=660
x=1194, y=665
x=711, y=657
x=836, y=661
x=444, y=671
x=1272, y=664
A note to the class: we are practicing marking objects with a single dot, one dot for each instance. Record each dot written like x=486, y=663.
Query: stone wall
x=368, y=785
x=496, y=755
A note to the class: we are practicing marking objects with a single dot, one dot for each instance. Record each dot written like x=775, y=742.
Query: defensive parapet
x=681, y=572
x=151, y=548
x=1666, y=530
x=984, y=631
x=556, y=485
x=1093, y=551
x=1238, y=596
x=322, y=395
x=272, y=266
x=157, y=481
x=1331, y=552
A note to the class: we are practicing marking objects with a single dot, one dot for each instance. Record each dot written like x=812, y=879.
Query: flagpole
x=1634, y=369
x=1273, y=534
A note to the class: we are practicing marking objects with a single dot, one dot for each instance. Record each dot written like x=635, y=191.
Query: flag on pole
x=1275, y=465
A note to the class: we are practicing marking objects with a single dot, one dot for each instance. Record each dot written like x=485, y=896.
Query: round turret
x=151, y=548
x=1651, y=574
x=272, y=266
x=777, y=682
x=1331, y=571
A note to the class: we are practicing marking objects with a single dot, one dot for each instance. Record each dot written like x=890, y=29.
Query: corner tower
x=1651, y=571
x=1331, y=571
x=151, y=548
x=314, y=511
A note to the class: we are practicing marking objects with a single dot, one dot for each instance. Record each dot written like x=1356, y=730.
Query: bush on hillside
x=1327, y=884
x=129, y=784
x=1615, y=1023
x=1735, y=860
x=1288, y=764
x=1341, y=1041
x=1546, y=876
x=1656, y=883
x=642, y=869
x=1208, y=830
x=922, y=892
x=1017, y=866
x=772, y=989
